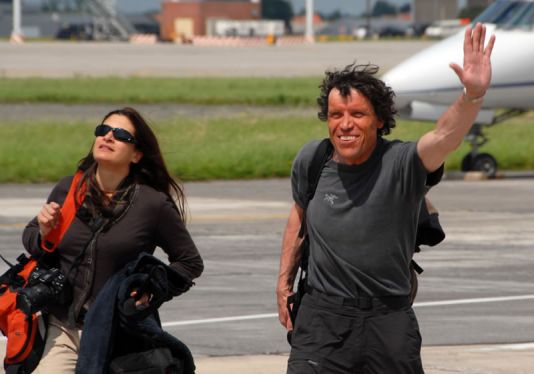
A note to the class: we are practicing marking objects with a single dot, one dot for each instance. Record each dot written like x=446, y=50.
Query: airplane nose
x=423, y=75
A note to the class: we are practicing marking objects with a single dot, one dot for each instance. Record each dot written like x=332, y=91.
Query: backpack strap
x=68, y=212
x=320, y=157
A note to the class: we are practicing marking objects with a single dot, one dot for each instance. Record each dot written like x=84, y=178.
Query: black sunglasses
x=118, y=133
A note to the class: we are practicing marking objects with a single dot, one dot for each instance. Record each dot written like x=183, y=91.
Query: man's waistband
x=362, y=302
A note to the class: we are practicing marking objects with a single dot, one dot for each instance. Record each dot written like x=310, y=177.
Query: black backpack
x=429, y=231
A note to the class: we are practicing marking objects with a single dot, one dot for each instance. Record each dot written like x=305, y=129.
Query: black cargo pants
x=331, y=336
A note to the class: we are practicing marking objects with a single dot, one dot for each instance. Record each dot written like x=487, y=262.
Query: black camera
x=45, y=287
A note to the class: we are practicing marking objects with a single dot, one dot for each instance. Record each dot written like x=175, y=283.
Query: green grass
x=258, y=91
x=511, y=143
x=193, y=149
x=242, y=147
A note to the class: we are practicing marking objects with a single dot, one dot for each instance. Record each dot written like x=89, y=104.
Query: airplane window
x=526, y=19
x=497, y=13
x=509, y=14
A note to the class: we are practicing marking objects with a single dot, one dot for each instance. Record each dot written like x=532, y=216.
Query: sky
x=355, y=7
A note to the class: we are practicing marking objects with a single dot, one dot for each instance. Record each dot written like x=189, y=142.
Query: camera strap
x=73, y=200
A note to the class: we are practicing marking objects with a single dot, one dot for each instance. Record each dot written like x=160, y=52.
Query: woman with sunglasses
x=129, y=204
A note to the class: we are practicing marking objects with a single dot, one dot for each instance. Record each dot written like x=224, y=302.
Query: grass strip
x=224, y=148
x=257, y=91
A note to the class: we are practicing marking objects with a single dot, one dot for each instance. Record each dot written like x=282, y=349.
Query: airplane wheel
x=467, y=162
x=486, y=163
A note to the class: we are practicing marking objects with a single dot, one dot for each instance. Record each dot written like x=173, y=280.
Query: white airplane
x=425, y=85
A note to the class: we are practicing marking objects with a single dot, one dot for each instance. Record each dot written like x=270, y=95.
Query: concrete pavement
x=476, y=293
x=65, y=59
x=470, y=359
x=467, y=359
x=464, y=359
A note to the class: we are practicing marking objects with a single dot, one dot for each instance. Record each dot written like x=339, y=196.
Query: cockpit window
x=509, y=15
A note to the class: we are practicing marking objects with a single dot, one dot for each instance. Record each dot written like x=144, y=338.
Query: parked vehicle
x=445, y=28
x=76, y=31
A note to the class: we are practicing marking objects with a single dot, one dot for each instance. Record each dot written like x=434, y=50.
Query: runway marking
x=237, y=217
x=195, y=219
x=505, y=347
x=13, y=225
x=523, y=346
x=221, y=319
x=474, y=301
x=416, y=305
x=201, y=210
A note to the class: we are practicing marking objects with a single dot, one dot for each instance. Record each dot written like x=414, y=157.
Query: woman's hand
x=143, y=301
x=48, y=218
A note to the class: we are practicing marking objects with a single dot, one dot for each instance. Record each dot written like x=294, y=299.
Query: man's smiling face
x=353, y=127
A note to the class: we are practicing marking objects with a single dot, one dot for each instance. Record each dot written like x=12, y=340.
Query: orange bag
x=25, y=333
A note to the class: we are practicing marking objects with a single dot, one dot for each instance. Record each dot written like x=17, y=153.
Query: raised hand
x=476, y=72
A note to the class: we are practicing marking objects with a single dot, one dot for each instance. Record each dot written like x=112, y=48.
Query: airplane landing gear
x=485, y=162
x=480, y=162
x=475, y=161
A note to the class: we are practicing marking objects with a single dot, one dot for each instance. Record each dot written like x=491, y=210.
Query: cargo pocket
x=303, y=336
x=414, y=333
x=319, y=334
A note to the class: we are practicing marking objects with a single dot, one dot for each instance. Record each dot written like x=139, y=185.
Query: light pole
x=309, y=22
x=368, y=19
x=16, y=32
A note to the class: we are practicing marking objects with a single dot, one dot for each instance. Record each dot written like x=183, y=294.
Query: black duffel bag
x=153, y=361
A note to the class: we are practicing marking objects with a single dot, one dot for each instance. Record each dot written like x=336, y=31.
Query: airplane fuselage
x=427, y=77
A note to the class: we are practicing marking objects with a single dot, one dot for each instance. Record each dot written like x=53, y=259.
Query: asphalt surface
x=67, y=59
x=28, y=112
x=477, y=288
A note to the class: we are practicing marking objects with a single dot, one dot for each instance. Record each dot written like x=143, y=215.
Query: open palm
x=476, y=72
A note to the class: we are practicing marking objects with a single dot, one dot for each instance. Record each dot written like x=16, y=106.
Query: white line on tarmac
x=222, y=319
x=474, y=301
x=424, y=304
x=416, y=305
x=28, y=207
x=505, y=347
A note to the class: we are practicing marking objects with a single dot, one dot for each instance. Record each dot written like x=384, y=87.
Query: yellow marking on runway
x=198, y=219
x=13, y=225
x=237, y=217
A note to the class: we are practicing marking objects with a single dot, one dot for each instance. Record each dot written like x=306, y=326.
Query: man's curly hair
x=362, y=79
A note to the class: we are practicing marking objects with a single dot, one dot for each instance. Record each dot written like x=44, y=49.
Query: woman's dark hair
x=362, y=79
x=150, y=170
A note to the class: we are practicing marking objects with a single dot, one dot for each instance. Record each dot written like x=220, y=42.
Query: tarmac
x=469, y=359
x=67, y=59
x=514, y=357
x=465, y=359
